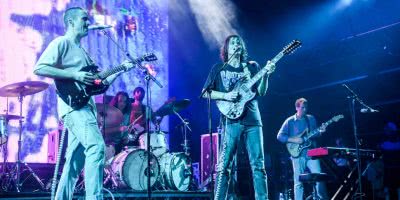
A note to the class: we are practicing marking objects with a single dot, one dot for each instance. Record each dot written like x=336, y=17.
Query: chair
x=313, y=178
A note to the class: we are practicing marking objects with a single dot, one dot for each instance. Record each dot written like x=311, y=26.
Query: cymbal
x=113, y=116
x=10, y=117
x=171, y=107
x=23, y=88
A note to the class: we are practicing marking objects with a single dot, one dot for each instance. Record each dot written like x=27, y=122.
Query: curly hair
x=224, y=49
x=114, y=102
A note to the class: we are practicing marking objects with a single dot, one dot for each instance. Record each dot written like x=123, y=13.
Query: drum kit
x=129, y=168
x=13, y=174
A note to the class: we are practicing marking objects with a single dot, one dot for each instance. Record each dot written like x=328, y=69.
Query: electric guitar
x=77, y=94
x=296, y=149
x=235, y=109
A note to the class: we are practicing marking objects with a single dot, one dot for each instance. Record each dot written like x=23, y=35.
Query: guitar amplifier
x=206, y=155
x=53, y=144
x=52, y=147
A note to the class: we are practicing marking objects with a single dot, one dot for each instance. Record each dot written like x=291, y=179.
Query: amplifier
x=206, y=156
x=52, y=147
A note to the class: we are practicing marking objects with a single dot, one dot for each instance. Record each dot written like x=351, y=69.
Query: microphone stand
x=354, y=97
x=208, y=90
x=147, y=78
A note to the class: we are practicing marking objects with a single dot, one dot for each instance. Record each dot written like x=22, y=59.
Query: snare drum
x=158, y=143
x=175, y=171
x=3, y=130
x=129, y=169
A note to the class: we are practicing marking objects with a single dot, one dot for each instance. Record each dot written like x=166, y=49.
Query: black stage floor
x=120, y=194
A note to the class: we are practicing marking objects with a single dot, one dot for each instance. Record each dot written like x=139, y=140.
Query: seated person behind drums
x=138, y=118
x=121, y=101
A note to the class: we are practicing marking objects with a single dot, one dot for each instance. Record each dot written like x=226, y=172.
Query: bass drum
x=129, y=169
x=3, y=130
x=175, y=171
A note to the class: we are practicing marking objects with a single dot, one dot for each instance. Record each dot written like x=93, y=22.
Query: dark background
x=357, y=45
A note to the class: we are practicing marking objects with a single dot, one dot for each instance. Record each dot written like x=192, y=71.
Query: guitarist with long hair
x=64, y=60
x=292, y=132
x=221, y=80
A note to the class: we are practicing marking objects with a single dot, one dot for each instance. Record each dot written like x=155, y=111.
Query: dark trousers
x=253, y=139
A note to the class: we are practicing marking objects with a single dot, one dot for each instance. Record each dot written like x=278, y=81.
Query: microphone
x=238, y=49
x=368, y=110
x=99, y=27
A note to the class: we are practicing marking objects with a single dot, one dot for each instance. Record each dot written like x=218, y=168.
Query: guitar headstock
x=149, y=57
x=290, y=48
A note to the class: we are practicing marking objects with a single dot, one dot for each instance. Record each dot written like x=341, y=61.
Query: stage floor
x=120, y=194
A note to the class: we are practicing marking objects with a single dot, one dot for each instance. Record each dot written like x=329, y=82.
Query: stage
x=120, y=194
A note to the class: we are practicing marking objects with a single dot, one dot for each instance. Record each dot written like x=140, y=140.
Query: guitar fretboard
x=263, y=71
x=106, y=73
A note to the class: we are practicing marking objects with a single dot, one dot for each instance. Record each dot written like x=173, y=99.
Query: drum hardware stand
x=185, y=123
x=354, y=97
x=4, y=151
x=18, y=163
x=110, y=177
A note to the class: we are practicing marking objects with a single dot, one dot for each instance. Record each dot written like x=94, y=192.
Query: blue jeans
x=254, y=144
x=85, y=149
x=299, y=166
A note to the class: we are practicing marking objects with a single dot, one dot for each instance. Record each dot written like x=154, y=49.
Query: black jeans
x=254, y=144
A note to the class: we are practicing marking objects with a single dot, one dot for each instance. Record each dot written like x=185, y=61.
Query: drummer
x=122, y=102
x=138, y=114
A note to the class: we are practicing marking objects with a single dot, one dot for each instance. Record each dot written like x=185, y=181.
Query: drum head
x=158, y=143
x=134, y=170
x=181, y=172
x=178, y=171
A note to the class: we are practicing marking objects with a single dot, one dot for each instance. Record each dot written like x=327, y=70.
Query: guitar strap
x=308, y=126
x=308, y=123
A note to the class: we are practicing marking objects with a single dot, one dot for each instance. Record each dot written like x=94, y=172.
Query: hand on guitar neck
x=270, y=67
x=298, y=139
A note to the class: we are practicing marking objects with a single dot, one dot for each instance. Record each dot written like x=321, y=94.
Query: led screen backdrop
x=26, y=28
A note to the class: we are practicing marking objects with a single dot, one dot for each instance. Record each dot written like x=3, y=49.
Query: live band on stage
x=112, y=143
x=122, y=122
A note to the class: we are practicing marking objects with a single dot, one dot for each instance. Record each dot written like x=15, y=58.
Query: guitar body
x=296, y=149
x=233, y=110
x=78, y=94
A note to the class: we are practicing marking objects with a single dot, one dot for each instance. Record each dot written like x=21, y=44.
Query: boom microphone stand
x=354, y=97
x=147, y=78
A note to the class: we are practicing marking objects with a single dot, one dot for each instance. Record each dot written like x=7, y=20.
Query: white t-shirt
x=62, y=53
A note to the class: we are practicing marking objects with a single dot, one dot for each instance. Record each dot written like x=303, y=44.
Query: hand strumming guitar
x=296, y=140
x=84, y=77
x=231, y=96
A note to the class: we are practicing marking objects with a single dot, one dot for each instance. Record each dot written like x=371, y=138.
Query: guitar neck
x=263, y=71
x=109, y=72
x=316, y=131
